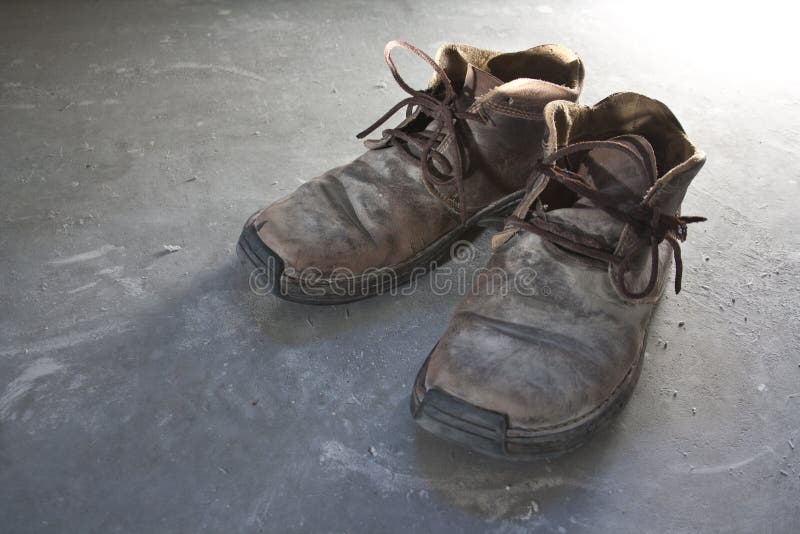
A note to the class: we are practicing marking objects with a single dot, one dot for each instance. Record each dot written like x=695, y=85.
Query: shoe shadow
x=543, y=492
x=289, y=323
x=490, y=489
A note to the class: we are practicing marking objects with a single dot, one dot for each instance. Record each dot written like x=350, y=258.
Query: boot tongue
x=624, y=173
x=627, y=174
x=477, y=83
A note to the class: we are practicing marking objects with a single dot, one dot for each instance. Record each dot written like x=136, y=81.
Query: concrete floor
x=151, y=392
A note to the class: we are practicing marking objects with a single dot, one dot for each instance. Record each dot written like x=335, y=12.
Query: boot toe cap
x=538, y=379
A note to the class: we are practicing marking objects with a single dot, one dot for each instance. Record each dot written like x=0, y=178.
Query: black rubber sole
x=268, y=275
x=489, y=432
x=265, y=266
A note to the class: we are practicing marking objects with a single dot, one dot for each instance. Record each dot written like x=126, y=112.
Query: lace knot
x=648, y=223
x=437, y=169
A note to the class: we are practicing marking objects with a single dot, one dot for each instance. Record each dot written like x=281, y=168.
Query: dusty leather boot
x=532, y=370
x=461, y=157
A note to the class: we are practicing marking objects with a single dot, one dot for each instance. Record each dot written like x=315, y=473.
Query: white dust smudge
x=84, y=256
x=24, y=382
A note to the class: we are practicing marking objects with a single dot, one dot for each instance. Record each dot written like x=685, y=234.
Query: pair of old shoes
x=548, y=343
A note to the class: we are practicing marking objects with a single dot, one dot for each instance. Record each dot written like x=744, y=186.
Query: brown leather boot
x=461, y=157
x=533, y=370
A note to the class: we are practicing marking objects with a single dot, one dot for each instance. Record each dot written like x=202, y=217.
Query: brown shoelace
x=647, y=222
x=443, y=111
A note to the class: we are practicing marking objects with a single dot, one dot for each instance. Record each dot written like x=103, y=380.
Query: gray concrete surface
x=151, y=392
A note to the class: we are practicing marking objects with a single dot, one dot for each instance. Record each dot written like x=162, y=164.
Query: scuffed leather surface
x=590, y=221
x=546, y=359
x=376, y=212
x=372, y=212
x=552, y=358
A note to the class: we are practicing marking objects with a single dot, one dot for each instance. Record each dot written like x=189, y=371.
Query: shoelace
x=648, y=222
x=444, y=112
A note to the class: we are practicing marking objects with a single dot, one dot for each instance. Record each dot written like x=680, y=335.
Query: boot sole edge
x=487, y=432
x=252, y=252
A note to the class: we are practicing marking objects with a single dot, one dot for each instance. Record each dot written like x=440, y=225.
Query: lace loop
x=649, y=223
x=437, y=169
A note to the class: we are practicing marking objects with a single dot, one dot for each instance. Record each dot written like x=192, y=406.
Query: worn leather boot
x=459, y=158
x=533, y=369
